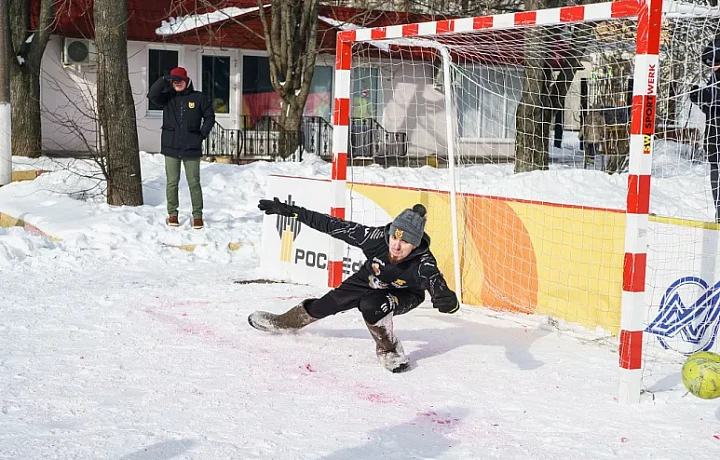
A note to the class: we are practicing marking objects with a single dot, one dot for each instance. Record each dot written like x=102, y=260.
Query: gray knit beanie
x=409, y=225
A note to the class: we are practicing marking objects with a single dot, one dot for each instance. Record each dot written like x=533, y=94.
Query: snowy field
x=115, y=345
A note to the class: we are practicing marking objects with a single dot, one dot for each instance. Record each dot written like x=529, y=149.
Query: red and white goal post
x=579, y=240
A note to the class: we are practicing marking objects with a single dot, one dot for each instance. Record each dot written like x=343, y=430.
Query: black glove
x=447, y=304
x=172, y=78
x=277, y=207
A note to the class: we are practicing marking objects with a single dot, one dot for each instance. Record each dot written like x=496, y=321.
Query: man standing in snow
x=708, y=99
x=188, y=118
x=392, y=281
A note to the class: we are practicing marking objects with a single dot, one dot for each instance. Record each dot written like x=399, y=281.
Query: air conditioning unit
x=78, y=51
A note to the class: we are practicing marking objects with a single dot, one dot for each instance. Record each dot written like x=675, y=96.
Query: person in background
x=188, y=119
x=708, y=99
x=392, y=281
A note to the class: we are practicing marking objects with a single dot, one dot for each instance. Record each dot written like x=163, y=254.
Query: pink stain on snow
x=309, y=368
x=716, y=436
x=182, y=324
x=437, y=419
x=378, y=398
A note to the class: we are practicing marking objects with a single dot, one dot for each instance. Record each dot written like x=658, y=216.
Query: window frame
x=505, y=101
x=380, y=90
x=234, y=83
x=180, y=49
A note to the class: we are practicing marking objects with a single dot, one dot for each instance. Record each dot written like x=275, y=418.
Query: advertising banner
x=291, y=251
x=683, y=285
x=294, y=252
x=529, y=257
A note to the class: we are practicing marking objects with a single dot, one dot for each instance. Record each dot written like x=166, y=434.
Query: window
x=160, y=63
x=487, y=100
x=216, y=82
x=259, y=99
x=319, y=101
x=366, y=93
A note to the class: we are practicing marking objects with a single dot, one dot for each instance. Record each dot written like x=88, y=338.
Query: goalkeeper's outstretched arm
x=358, y=235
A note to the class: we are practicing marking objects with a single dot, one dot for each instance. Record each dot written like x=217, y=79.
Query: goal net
x=560, y=154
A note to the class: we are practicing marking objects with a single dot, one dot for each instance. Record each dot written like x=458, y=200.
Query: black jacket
x=417, y=272
x=188, y=118
x=708, y=99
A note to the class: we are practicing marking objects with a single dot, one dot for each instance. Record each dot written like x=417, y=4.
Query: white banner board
x=291, y=251
x=682, y=277
x=683, y=287
x=296, y=253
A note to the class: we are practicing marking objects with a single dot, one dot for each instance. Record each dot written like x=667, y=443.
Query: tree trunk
x=28, y=47
x=5, y=115
x=534, y=112
x=291, y=42
x=116, y=108
x=290, y=122
x=26, y=124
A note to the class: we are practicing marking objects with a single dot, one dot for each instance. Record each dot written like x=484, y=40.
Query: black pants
x=715, y=185
x=374, y=304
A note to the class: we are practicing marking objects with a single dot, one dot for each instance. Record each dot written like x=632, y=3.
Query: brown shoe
x=172, y=221
x=197, y=223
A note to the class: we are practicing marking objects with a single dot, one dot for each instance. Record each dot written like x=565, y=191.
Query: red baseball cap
x=180, y=72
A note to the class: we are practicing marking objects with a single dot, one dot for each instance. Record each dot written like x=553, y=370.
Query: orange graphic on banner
x=506, y=253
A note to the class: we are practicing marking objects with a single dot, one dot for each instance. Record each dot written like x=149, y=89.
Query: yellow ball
x=701, y=374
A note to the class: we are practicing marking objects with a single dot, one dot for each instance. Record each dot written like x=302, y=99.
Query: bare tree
x=116, y=108
x=292, y=45
x=28, y=47
x=5, y=129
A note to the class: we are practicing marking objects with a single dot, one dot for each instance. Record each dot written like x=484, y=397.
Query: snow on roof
x=193, y=21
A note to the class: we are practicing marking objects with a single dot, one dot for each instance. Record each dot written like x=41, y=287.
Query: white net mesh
x=539, y=122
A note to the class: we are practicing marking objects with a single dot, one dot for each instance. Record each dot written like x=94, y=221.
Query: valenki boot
x=295, y=318
x=388, y=348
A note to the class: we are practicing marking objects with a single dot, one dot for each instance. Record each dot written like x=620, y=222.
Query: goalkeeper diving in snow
x=392, y=281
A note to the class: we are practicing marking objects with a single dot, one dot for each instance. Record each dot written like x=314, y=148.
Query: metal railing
x=317, y=137
x=369, y=139
x=260, y=139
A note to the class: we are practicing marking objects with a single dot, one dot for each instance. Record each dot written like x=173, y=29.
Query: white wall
x=68, y=97
x=413, y=105
x=68, y=105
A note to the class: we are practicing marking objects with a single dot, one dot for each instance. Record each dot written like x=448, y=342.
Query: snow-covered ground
x=115, y=345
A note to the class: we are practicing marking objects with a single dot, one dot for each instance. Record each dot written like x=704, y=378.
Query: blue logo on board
x=689, y=313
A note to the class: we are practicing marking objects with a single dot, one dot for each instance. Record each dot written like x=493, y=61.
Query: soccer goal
x=533, y=139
